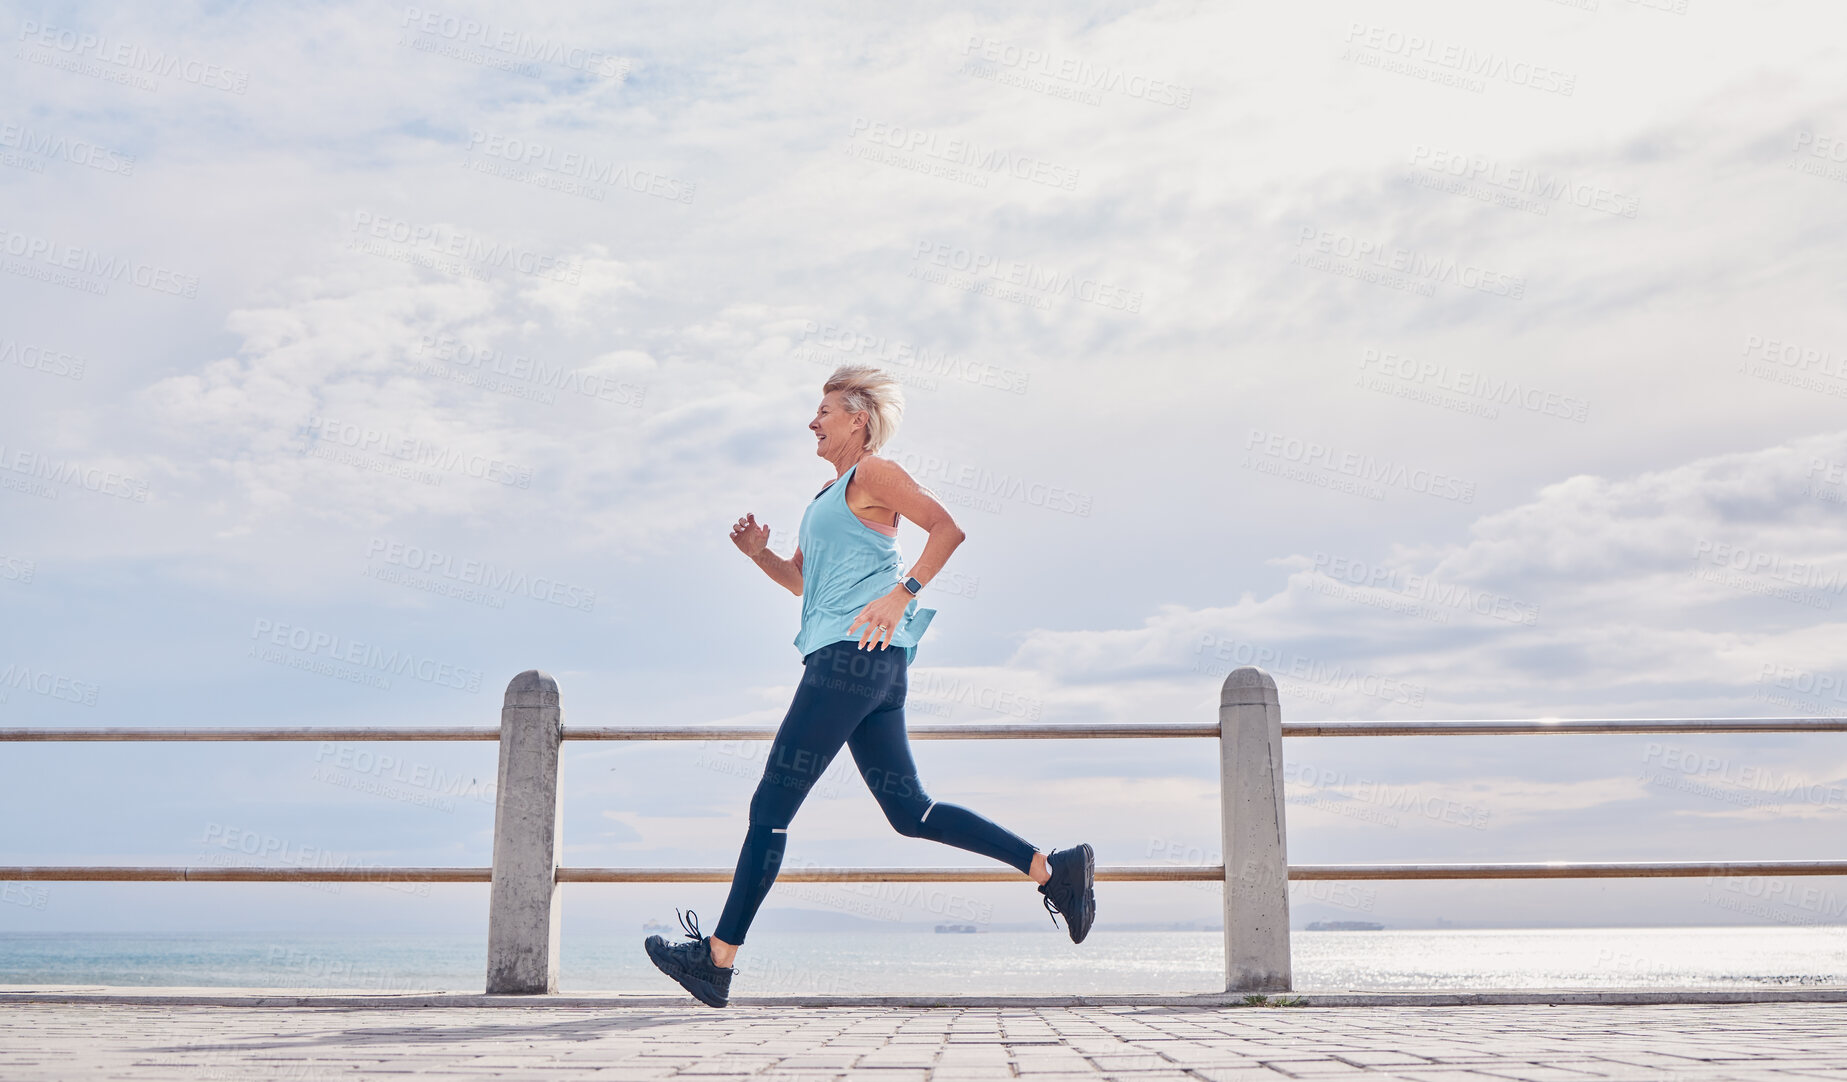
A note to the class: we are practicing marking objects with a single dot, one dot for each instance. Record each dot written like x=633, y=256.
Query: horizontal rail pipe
x=221, y=874
x=1123, y=873
x=1530, y=726
x=610, y=732
x=1128, y=873
x=1150, y=873
x=1561, y=869
x=1070, y=731
x=264, y=735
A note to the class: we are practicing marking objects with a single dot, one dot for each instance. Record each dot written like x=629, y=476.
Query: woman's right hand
x=749, y=537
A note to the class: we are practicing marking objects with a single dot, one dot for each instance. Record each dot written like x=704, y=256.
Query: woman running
x=860, y=626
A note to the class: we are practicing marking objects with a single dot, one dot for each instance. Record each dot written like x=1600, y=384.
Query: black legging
x=852, y=696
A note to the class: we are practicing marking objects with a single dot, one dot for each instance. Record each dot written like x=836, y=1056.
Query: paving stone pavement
x=1531, y=1043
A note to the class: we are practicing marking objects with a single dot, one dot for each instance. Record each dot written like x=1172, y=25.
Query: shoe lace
x=1052, y=909
x=1047, y=892
x=689, y=923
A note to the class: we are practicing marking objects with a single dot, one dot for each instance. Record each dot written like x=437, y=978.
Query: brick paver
x=1502, y=1043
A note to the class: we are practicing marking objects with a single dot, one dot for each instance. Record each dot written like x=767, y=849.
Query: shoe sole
x=701, y=990
x=1090, y=896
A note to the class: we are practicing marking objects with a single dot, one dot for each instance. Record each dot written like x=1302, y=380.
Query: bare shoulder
x=883, y=473
x=889, y=485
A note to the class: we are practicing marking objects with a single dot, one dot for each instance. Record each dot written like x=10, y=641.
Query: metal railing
x=523, y=921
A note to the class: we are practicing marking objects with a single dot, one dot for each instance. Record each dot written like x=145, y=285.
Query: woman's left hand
x=887, y=610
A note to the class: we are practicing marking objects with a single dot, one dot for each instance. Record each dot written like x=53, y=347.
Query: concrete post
x=1251, y=815
x=522, y=920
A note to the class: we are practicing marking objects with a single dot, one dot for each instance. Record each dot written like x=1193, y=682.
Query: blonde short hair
x=874, y=392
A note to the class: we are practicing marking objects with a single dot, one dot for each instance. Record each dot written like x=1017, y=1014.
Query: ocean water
x=868, y=963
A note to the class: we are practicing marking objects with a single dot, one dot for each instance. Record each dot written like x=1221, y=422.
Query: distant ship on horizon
x=1343, y=926
x=655, y=926
x=963, y=928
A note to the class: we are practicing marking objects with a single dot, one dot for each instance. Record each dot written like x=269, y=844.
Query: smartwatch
x=911, y=584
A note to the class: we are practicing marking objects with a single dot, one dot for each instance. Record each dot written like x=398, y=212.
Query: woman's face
x=836, y=432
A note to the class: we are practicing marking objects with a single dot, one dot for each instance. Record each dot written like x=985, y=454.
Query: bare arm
x=885, y=482
x=787, y=573
x=753, y=541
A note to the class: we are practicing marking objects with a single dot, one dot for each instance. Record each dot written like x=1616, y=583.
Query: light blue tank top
x=847, y=565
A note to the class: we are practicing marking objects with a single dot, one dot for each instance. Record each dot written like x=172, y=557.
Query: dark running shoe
x=1071, y=890
x=691, y=964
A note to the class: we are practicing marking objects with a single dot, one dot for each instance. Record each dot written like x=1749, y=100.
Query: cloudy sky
x=1447, y=360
